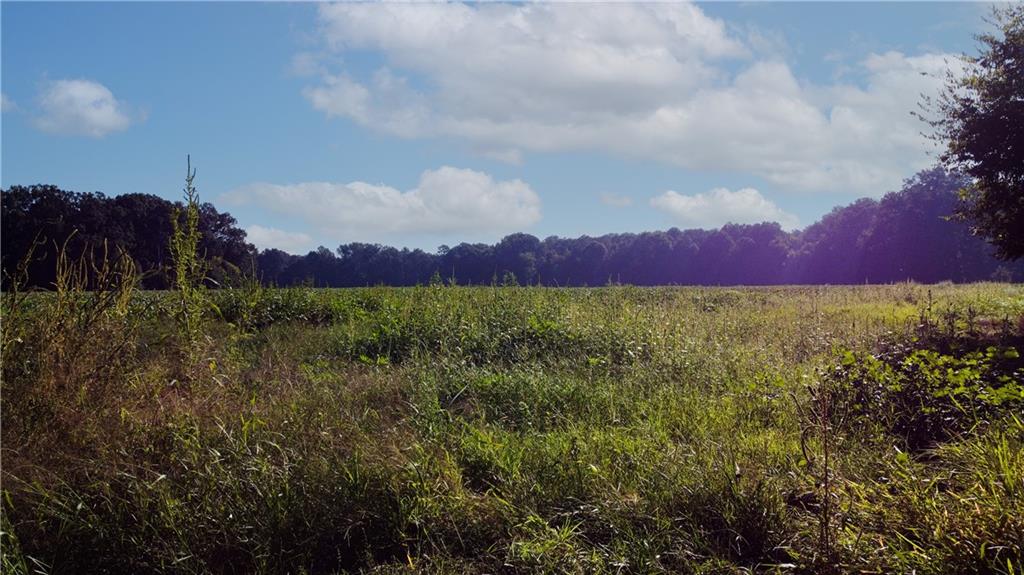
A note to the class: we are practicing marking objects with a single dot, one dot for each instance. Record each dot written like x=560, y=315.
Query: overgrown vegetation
x=515, y=429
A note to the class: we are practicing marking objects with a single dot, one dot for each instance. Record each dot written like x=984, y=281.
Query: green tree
x=981, y=122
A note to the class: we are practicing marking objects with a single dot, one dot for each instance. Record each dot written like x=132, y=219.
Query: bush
x=923, y=396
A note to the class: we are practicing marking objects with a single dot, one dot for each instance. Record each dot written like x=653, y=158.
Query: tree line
x=44, y=219
x=907, y=235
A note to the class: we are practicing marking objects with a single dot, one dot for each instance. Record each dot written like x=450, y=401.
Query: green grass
x=506, y=430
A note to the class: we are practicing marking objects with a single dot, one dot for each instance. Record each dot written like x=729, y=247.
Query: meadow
x=444, y=429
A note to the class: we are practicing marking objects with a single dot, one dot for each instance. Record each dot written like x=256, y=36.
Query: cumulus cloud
x=499, y=65
x=267, y=237
x=720, y=206
x=82, y=108
x=636, y=80
x=446, y=200
x=615, y=200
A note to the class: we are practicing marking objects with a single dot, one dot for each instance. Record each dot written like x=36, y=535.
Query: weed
x=510, y=429
x=189, y=269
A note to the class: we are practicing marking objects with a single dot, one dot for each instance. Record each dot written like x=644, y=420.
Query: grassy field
x=515, y=430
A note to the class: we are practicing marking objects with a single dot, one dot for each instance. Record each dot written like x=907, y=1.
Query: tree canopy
x=140, y=224
x=981, y=123
x=906, y=235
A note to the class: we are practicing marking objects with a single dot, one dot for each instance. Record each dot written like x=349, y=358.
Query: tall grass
x=513, y=429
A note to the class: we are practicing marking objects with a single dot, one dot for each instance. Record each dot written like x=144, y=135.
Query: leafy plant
x=189, y=268
x=923, y=396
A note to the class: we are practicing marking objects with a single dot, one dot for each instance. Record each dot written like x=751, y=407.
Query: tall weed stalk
x=189, y=269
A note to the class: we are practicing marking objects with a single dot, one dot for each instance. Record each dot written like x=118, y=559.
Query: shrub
x=923, y=396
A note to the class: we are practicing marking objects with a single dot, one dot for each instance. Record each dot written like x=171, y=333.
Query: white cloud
x=80, y=107
x=388, y=103
x=291, y=242
x=720, y=206
x=635, y=80
x=306, y=64
x=498, y=63
x=615, y=200
x=7, y=104
x=447, y=200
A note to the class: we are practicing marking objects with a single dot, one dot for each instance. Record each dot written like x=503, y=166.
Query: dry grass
x=510, y=430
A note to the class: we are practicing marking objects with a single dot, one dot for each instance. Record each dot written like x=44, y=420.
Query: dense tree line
x=907, y=235
x=140, y=224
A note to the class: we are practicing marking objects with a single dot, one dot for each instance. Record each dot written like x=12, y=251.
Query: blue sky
x=418, y=125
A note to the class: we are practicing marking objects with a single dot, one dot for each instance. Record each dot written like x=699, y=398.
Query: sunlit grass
x=453, y=429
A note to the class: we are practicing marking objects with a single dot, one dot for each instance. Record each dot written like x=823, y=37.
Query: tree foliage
x=981, y=122
x=906, y=235
x=141, y=224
